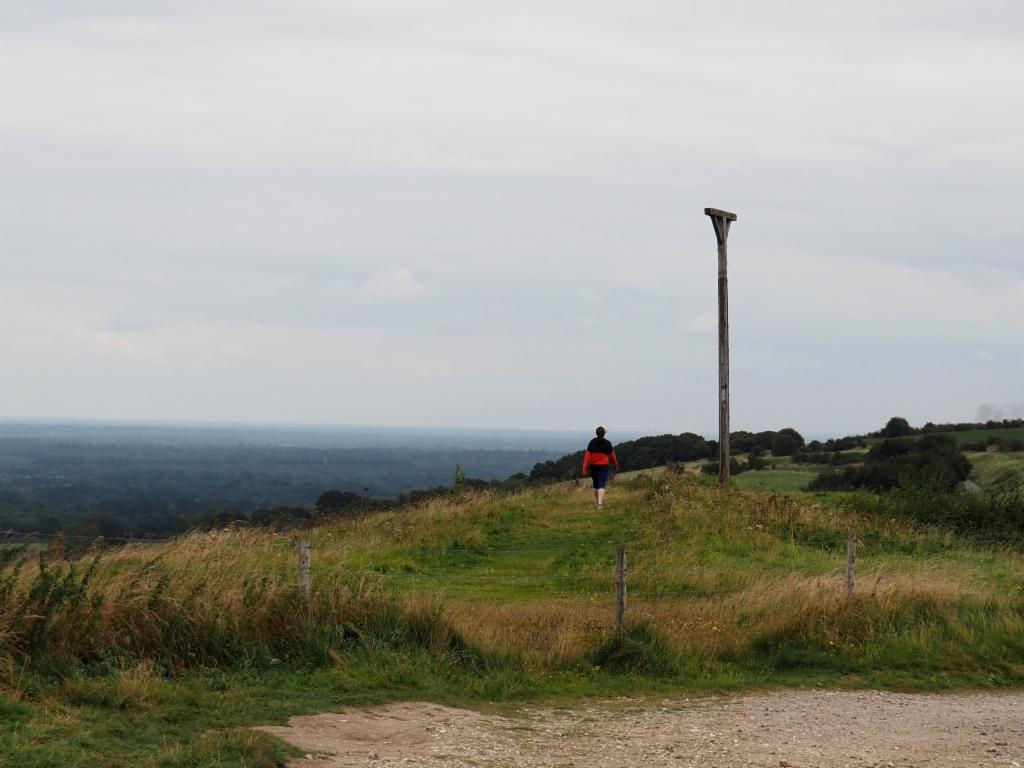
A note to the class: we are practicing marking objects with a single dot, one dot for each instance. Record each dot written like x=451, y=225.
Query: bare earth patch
x=793, y=728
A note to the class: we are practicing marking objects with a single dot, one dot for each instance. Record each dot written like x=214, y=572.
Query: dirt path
x=793, y=728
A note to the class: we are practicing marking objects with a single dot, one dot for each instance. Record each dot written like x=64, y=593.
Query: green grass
x=996, y=471
x=969, y=436
x=492, y=599
x=976, y=435
x=774, y=480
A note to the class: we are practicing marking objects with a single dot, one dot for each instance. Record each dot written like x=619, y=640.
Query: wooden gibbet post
x=721, y=221
x=851, y=561
x=620, y=587
x=304, y=566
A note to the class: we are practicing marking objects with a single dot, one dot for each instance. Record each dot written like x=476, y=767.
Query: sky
x=490, y=214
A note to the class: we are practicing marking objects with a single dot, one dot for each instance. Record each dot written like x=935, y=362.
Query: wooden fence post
x=851, y=560
x=620, y=587
x=304, y=566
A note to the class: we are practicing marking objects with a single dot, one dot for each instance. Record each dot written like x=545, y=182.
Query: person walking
x=599, y=457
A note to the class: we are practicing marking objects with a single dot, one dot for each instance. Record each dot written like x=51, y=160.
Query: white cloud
x=393, y=284
x=704, y=323
x=92, y=341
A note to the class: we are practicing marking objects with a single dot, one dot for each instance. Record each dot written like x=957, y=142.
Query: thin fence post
x=851, y=561
x=304, y=566
x=620, y=587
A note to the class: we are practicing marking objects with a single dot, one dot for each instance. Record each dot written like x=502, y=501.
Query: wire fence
x=812, y=539
x=593, y=570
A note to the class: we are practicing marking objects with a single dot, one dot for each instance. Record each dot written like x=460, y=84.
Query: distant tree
x=742, y=441
x=334, y=501
x=794, y=434
x=784, y=444
x=48, y=524
x=281, y=517
x=514, y=482
x=460, y=476
x=897, y=426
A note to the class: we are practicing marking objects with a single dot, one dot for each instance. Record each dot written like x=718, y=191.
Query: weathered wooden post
x=851, y=560
x=620, y=587
x=721, y=220
x=304, y=566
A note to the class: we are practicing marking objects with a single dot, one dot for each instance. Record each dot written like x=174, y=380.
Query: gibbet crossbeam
x=718, y=212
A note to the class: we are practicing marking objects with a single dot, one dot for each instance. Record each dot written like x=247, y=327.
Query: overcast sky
x=490, y=214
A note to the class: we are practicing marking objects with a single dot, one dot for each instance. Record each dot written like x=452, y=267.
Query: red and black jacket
x=600, y=453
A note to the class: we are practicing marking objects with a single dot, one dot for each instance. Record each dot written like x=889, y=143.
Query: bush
x=999, y=517
x=934, y=461
x=639, y=650
x=735, y=467
x=784, y=445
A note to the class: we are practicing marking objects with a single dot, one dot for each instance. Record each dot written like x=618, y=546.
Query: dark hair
x=600, y=431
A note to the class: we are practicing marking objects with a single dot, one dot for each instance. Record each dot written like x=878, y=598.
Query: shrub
x=735, y=467
x=969, y=514
x=784, y=445
x=935, y=461
x=639, y=650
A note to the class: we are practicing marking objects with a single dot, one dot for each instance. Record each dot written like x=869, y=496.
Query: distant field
x=775, y=480
x=974, y=435
x=970, y=436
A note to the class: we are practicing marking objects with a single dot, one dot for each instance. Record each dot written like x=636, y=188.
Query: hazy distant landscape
x=146, y=479
x=285, y=436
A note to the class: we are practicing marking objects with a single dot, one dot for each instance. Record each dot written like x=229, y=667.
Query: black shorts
x=599, y=475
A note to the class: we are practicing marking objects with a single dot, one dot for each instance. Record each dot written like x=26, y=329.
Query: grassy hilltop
x=158, y=655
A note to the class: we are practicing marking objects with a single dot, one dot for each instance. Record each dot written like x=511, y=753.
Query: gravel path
x=793, y=728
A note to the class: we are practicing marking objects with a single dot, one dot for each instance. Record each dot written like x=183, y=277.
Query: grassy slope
x=743, y=590
x=995, y=471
